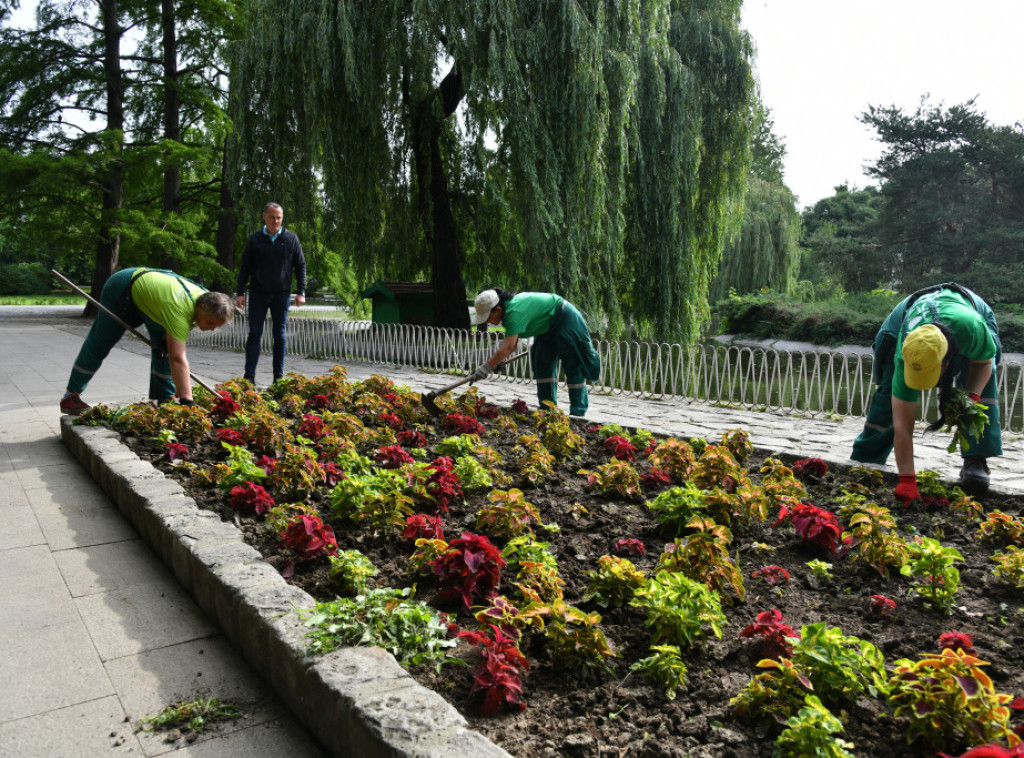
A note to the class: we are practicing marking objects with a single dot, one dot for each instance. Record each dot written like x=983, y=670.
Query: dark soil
x=623, y=714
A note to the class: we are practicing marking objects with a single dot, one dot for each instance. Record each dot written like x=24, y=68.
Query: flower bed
x=591, y=590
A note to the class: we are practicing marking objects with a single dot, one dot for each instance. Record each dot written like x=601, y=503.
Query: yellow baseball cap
x=923, y=351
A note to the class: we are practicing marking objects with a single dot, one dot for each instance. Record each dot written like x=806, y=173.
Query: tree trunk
x=172, y=118
x=112, y=185
x=435, y=204
x=227, y=221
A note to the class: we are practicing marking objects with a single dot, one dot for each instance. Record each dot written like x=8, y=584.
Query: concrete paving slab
x=106, y=568
x=94, y=728
x=151, y=681
x=269, y=740
x=21, y=529
x=52, y=470
x=142, y=617
x=33, y=591
x=92, y=521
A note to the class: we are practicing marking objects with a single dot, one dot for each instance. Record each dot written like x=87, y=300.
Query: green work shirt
x=529, y=314
x=972, y=335
x=162, y=298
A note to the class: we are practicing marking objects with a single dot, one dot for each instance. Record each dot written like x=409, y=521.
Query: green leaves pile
x=966, y=418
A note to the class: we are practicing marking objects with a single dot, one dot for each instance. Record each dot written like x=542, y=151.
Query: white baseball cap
x=485, y=302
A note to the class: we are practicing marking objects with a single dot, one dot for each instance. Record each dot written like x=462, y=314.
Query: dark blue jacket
x=270, y=264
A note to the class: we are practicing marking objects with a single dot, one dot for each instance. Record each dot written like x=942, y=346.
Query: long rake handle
x=120, y=321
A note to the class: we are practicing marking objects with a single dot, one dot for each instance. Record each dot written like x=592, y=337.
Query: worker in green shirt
x=940, y=336
x=169, y=305
x=559, y=333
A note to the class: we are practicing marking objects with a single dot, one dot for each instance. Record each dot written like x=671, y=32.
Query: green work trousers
x=568, y=340
x=105, y=333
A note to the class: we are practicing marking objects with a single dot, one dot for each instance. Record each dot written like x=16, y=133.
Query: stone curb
x=356, y=701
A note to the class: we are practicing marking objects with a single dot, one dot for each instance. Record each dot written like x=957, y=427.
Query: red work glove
x=907, y=490
x=974, y=396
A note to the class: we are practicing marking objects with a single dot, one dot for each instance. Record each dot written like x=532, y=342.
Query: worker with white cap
x=559, y=333
x=940, y=336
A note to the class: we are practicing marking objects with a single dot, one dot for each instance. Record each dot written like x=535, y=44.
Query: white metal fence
x=813, y=383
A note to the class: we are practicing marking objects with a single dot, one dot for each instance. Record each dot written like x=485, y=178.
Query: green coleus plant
x=665, y=667
x=675, y=458
x=875, y=540
x=703, y=556
x=1010, y=566
x=349, y=571
x=680, y=611
x=931, y=569
x=811, y=732
x=614, y=478
x=677, y=506
x=614, y=581
x=716, y=467
x=555, y=432
x=536, y=461
x=1001, y=529
x=240, y=468
x=379, y=499
x=507, y=514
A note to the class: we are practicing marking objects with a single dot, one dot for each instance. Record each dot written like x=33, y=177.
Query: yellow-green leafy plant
x=779, y=484
x=349, y=571
x=536, y=462
x=458, y=445
x=869, y=477
x=929, y=484
x=280, y=516
x=538, y=582
x=677, y=506
x=949, y=699
x=820, y=569
x=1010, y=566
x=665, y=667
x=426, y=551
x=875, y=539
x=1001, y=529
x=555, y=432
x=965, y=506
x=680, y=611
x=716, y=467
x=379, y=500
x=809, y=734
x=188, y=423
x=507, y=515
x=934, y=576
x=614, y=581
x=674, y=458
x=297, y=472
x=472, y=474
x=704, y=557
x=614, y=478
x=737, y=442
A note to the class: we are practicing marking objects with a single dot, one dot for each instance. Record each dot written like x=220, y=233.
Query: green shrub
x=25, y=279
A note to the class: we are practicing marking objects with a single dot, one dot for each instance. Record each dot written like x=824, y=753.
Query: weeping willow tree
x=594, y=148
x=766, y=252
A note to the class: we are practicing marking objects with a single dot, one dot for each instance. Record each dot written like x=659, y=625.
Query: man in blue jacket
x=269, y=259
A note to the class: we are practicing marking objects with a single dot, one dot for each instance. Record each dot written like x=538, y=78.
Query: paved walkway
x=97, y=634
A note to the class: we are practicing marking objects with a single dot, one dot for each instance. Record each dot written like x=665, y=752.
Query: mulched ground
x=622, y=714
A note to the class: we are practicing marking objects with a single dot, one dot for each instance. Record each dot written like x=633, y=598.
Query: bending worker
x=559, y=333
x=169, y=305
x=937, y=336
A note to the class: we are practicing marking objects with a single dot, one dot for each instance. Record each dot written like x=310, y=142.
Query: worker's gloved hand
x=481, y=372
x=974, y=396
x=907, y=490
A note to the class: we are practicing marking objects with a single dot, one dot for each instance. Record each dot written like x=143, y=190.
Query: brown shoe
x=73, y=405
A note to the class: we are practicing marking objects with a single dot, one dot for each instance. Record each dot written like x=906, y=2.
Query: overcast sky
x=820, y=63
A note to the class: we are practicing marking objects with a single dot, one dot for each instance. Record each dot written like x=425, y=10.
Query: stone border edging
x=356, y=701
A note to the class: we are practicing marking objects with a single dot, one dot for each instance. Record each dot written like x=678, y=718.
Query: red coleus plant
x=251, y=498
x=310, y=537
x=810, y=467
x=773, y=632
x=312, y=426
x=444, y=486
x=956, y=641
x=620, y=447
x=176, y=451
x=461, y=424
x=520, y=406
x=498, y=676
x=631, y=545
x=266, y=463
x=772, y=575
x=411, y=438
x=469, y=569
x=991, y=750
x=230, y=436
x=318, y=403
x=224, y=406
x=655, y=479
x=392, y=456
x=421, y=526
x=880, y=605
x=813, y=524
x=389, y=418
x=332, y=473
x=485, y=409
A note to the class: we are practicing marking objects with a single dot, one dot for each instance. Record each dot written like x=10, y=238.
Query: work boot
x=73, y=405
x=974, y=476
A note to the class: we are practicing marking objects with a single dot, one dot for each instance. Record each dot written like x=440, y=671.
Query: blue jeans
x=259, y=304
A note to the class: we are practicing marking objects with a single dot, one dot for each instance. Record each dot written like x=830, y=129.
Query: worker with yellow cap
x=937, y=337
